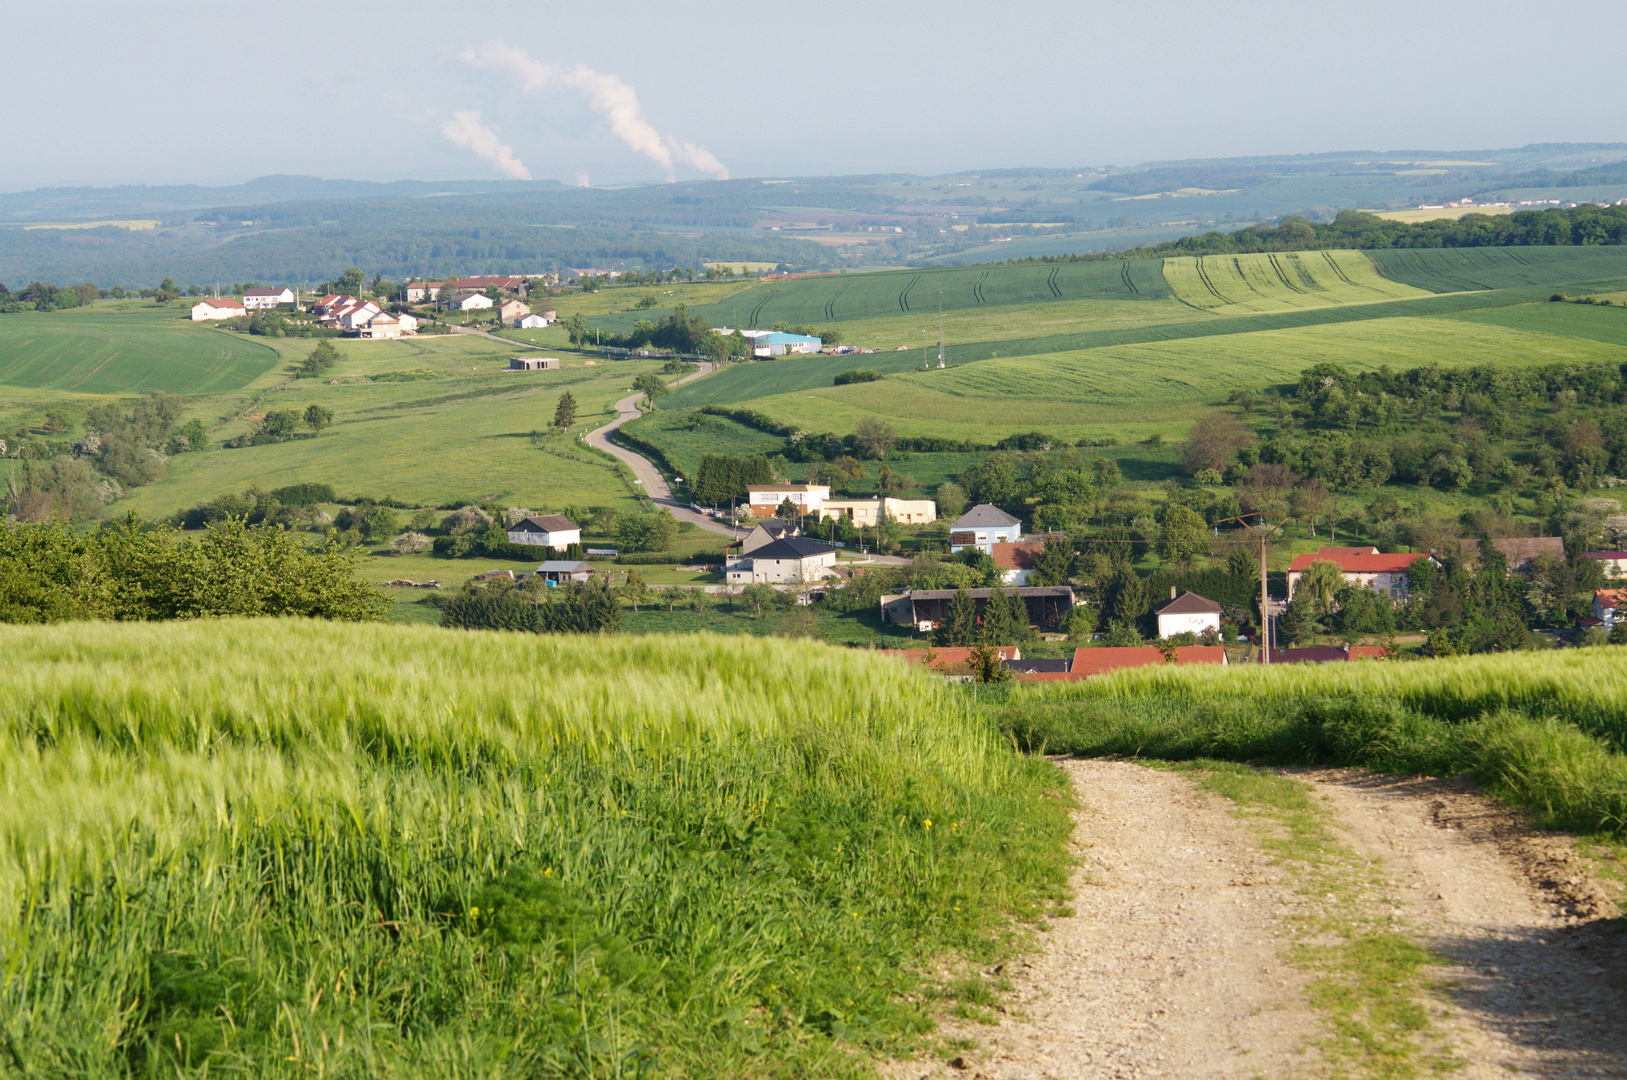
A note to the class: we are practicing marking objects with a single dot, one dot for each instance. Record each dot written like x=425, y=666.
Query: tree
x=1320, y=583
x=1121, y=634
x=634, y=589
x=986, y=663
x=951, y=499
x=350, y=282
x=565, y=411
x=1309, y=501
x=1213, y=441
x=890, y=484
x=1184, y=534
x=1054, y=566
x=317, y=418
x=787, y=510
x=651, y=386
x=1107, y=472
x=1124, y=595
x=959, y=626
x=672, y=596
x=653, y=531
x=195, y=434
x=1081, y=623
x=278, y=424
x=875, y=437
x=757, y=594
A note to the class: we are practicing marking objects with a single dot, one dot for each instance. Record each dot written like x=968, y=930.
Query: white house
x=1016, y=561
x=1614, y=562
x=222, y=308
x=420, y=291
x=357, y=316
x=982, y=527
x=268, y=298
x=531, y=322
x=1384, y=573
x=470, y=301
x=1607, y=603
x=1187, y=613
x=764, y=499
x=545, y=530
x=787, y=561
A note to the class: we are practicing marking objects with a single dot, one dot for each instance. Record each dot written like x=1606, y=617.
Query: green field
x=1289, y=281
x=1134, y=391
x=125, y=347
x=343, y=850
x=1458, y=269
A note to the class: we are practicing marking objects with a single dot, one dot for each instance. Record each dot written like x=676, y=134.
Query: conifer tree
x=959, y=626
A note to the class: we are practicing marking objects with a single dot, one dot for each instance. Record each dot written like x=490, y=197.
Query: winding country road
x=644, y=471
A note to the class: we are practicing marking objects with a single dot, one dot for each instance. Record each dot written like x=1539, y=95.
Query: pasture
x=126, y=347
x=356, y=850
x=1283, y=281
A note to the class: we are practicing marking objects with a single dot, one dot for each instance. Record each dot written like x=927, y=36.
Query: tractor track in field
x=1178, y=958
x=977, y=287
x=1124, y=272
x=1050, y=282
x=1282, y=275
x=904, y=295
x=830, y=305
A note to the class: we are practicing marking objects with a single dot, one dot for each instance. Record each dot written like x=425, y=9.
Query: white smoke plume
x=606, y=95
x=466, y=130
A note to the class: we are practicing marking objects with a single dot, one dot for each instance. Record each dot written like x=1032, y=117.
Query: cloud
x=466, y=130
x=606, y=95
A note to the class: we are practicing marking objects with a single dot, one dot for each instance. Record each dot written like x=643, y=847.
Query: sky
x=615, y=91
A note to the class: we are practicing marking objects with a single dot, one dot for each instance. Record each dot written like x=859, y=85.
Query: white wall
x=1170, y=625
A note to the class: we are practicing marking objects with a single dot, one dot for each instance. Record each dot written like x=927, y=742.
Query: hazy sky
x=102, y=93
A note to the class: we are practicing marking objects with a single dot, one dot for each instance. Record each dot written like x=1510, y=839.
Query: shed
x=559, y=571
x=533, y=363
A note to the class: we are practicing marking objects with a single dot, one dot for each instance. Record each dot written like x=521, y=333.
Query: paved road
x=649, y=477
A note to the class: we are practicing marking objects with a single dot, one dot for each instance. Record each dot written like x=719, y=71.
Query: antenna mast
x=940, y=326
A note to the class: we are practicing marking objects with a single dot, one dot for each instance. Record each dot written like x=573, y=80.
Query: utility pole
x=1265, y=619
x=940, y=326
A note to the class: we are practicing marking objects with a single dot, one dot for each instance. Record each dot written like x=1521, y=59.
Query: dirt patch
x=1537, y=982
x=1173, y=961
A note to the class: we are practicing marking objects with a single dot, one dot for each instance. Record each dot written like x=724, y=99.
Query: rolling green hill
x=125, y=348
x=1457, y=269
x=1287, y=281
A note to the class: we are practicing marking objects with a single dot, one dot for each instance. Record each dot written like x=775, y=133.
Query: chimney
x=1172, y=592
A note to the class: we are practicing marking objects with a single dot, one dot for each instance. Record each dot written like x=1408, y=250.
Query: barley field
x=281, y=848
x=1283, y=281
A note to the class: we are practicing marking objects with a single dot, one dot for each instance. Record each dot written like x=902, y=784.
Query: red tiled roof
x=1200, y=654
x=1610, y=598
x=221, y=302
x=1357, y=564
x=1369, y=652
x=1017, y=555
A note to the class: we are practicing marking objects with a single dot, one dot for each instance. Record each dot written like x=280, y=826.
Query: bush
x=409, y=543
x=578, y=608
x=860, y=375
x=304, y=494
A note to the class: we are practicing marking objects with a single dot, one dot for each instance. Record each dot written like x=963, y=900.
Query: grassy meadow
x=291, y=849
x=126, y=347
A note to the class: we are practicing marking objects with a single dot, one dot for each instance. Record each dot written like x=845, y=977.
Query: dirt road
x=1177, y=959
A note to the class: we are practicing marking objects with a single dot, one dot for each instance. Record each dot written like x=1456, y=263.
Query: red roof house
x=1368, y=567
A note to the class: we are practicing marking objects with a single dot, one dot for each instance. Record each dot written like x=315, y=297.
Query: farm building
x=767, y=531
x=1364, y=566
x=1187, y=613
x=483, y=282
x=531, y=322
x=268, y=298
x=560, y=571
x=221, y=308
x=982, y=527
x=865, y=511
x=1607, y=603
x=764, y=499
x=533, y=363
x=926, y=608
x=469, y=301
x=511, y=311
x=545, y=530
x=787, y=561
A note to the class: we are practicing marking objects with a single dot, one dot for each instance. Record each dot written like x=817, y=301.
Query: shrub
x=860, y=375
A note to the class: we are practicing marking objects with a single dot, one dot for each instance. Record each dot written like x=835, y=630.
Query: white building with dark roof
x=1187, y=613
x=982, y=527
x=545, y=530
x=268, y=298
x=790, y=560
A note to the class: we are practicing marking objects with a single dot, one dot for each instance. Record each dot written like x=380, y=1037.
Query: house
x=1519, y=552
x=982, y=527
x=323, y=306
x=1187, y=613
x=926, y=608
x=533, y=363
x=469, y=301
x=864, y=512
x=531, y=322
x=1017, y=559
x=420, y=291
x=385, y=325
x=268, y=298
x=486, y=281
x=354, y=316
x=1328, y=654
x=1615, y=562
x=560, y=571
x=767, y=531
x=1606, y=603
x=790, y=560
x=511, y=311
x=1384, y=573
x=952, y=661
x=545, y=530
x=764, y=499
x=221, y=308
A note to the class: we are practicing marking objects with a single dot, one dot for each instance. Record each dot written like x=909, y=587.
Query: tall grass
x=1544, y=730
x=289, y=848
